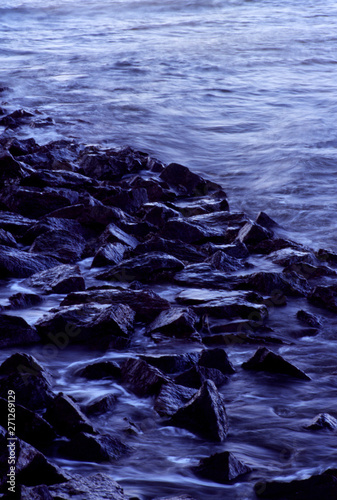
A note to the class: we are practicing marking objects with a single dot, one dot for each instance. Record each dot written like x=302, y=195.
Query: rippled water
x=243, y=91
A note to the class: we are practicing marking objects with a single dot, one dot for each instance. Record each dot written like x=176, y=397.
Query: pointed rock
x=323, y=421
x=221, y=467
x=268, y=361
x=175, y=322
x=142, y=378
x=172, y=397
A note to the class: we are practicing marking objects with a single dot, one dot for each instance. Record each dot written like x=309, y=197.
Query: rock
x=237, y=250
x=231, y=307
x=221, y=467
x=172, y=397
x=116, y=320
x=188, y=232
x=185, y=181
x=142, y=378
x=252, y=234
x=31, y=467
x=323, y=421
x=316, y=487
x=146, y=304
x=60, y=279
x=324, y=297
x=65, y=246
x=22, y=300
x=7, y=239
x=156, y=189
x=268, y=361
x=58, y=179
x=94, y=487
x=197, y=375
x=158, y=214
x=176, y=322
x=100, y=370
x=216, y=358
x=223, y=262
x=16, y=331
x=291, y=257
x=269, y=283
x=39, y=492
x=100, y=406
x=17, y=118
x=114, y=234
x=88, y=448
x=308, y=319
x=19, y=362
x=19, y=264
x=11, y=169
x=15, y=223
x=182, y=251
x=326, y=256
x=180, y=497
x=173, y=363
x=202, y=276
x=109, y=254
x=190, y=207
x=99, y=165
x=155, y=266
x=241, y=338
x=265, y=221
x=51, y=224
x=66, y=417
x=204, y=415
x=29, y=425
x=129, y=200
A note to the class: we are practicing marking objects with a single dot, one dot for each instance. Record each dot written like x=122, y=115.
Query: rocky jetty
x=144, y=227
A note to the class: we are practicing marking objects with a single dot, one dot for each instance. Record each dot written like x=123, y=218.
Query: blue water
x=244, y=92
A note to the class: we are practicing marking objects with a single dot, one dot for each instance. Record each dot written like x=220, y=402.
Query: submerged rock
x=221, y=467
x=268, y=361
x=323, y=421
x=204, y=415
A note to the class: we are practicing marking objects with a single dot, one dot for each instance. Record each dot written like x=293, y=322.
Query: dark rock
x=114, y=234
x=129, y=200
x=290, y=257
x=236, y=250
x=94, y=487
x=102, y=166
x=324, y=297
x=252, y=234
x=22, y=300
x=202, y=276
x=176, y=322
x=31, y=467
x=180, y=497
x=221, y=467
x=58, y=179
x=100, y=370
x=197, y=375
x=156, y=189
x=59, y=279
x=180, y=250
x=117, y=320
x=7, y=239
x=29, y=425
x=172, y=397
x=269, y=283
x=158, y=214
x=19, y=264
x=56, y=155
x=266, y=247
x=21, y=147
x=173, y=363
x=185, y=181
x=88, y=448
x=21, y=361
x=11, y=169
x=265, y=221
x=65, y=246
x=39, y=492
x=191, y=207
x=326, y=256
x=152, y=267
x=100, y=406
x=142, y=378
x=231, y=307
x=50, y=224
x=66, y=417
x=316, y=487
x=204, y=414
x=17, y=118
x=216, y=358
x=323, y=421
x=16, y=331
x=241, y=338
x=223, y=262
x=15, y=223
x=188, y=232
x=268, y=361
x=146, y=304
x=308, y=319
x=109, y=254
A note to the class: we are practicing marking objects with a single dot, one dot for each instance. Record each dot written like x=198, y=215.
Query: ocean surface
x=244, y=92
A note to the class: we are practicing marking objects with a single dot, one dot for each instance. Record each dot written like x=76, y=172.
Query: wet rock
x=129, y=200
x=16, y=331
x=16, y=263
x=17, y=118
x=241, y=338
x=173, y=363
x=14, y=223
x=39, y=492
x=56, y=155
x=155, y=266
x=7, y=239
x=197, y=375
x=179, y=497
x=203, y=276
x=21, y=147
x=156, y=189
x=142, y=378
x=29, y=425
x=66, y=417
x=102, y=166
x=88, y=448
x=289, y=257
x=185, y=181
x=268, y=361
x=265, y=221
x=188, y=232
x=221, y=467
x=315, y=487
x=22, y=300
x=100, y=406
x=94, y=487
x=323, y=421
x=31, y=467
x=182, y=251
x=114, y=234
x=146, y=304
x=158, y=214
x=326, y=256
x=223, y=262
x=100, y=370
x=237, y=250
x=232, y=307
x=172, y=397
x=65, y=246
x=204, y=415
x=58, y=179
x=269, y=283
x=21, y=361
x=252, y=234
x=109, y=254
x=116, y=320
x=50, y=224
x=216, y=358
x=35, y=203
x=324, y=297
x=60, y=279
x=176, y=322
x=266, y=247
x=308, y=319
